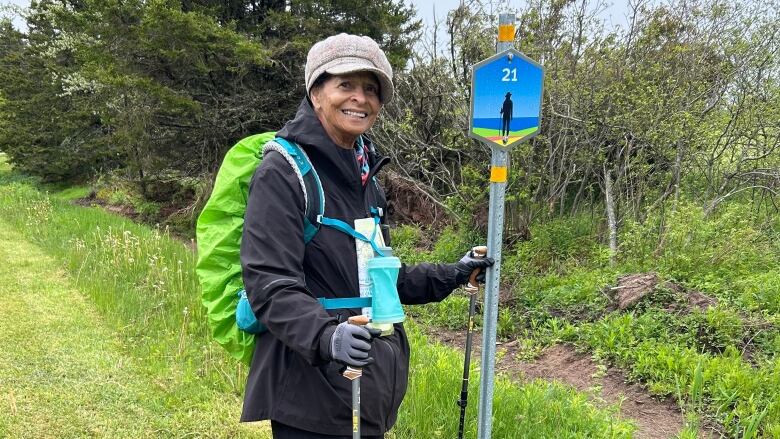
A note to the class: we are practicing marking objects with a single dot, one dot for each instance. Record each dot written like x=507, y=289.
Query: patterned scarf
x=361, y=154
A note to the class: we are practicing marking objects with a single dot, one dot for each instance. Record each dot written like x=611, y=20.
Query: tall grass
x=538, y=409
x=142, y=282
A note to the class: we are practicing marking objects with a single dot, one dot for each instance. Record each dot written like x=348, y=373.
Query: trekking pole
x=472, y=288
x=353, y=374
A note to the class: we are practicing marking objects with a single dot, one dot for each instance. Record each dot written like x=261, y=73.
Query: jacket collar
x=328, y=158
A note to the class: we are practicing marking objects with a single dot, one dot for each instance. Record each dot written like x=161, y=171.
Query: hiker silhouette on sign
x=506, y=117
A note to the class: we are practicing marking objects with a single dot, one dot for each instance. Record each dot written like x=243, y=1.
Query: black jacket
x=289, y=380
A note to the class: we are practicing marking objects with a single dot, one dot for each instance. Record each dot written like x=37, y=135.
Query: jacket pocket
x=384, y=382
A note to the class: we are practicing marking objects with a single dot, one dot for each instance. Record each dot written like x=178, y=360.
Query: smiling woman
x=295, y=378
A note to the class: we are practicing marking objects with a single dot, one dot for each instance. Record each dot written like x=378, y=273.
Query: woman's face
x=347, y=105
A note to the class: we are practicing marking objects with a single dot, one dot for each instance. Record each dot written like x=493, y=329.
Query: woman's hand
x=470, y=262
x=349, y=344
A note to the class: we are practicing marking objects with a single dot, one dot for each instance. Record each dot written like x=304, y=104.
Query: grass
x=140, y=283
x=513, y=135
x=74, y=192
x=66, y=373
x=732, y=389
x=722, y=364
x=538, y=409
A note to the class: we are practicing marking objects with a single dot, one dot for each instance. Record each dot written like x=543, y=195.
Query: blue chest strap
x=247, y=322
x=343, y=227
x=315, y=207
x=345, y=302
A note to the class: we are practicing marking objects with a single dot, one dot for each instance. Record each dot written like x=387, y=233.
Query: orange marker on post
x=506, y=33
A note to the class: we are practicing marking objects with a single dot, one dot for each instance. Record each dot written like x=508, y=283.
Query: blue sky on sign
x=518, y=77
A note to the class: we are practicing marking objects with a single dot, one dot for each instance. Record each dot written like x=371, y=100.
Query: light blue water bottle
x=386, y=306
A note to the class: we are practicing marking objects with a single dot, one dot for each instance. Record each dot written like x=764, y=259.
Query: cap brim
x=339, y=67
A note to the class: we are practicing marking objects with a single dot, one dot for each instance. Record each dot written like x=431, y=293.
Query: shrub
x=715, y=329
x=760, y=291
x=557, y=245
x=707, y=253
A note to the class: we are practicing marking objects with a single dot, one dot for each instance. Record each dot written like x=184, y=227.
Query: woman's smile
x=347, y=106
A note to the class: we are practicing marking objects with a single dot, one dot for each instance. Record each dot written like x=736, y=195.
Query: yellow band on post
x=498, y=174
x=506, y=33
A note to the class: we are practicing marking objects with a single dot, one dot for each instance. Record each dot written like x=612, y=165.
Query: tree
x=45, y=132
x=141, y=84
x=159, y=89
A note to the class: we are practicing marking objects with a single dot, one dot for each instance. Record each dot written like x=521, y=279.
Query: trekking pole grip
x=360, y=320
x=478, y=252
x=350, y=372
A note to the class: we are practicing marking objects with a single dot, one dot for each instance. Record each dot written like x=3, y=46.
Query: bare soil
x=92, y=200
x=632, y=288
x=655, y=418
x=408, y=203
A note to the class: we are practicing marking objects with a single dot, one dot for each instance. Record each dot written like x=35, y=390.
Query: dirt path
x=655, y=419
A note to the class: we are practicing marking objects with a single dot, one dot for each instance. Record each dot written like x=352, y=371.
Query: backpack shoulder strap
x=311, y=186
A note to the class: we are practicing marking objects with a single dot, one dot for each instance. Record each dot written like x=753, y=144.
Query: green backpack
x=218, y=231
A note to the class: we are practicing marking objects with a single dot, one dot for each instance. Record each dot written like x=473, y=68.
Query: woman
x=295, y=379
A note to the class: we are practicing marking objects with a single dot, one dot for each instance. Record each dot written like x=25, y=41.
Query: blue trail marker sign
x=506, y=99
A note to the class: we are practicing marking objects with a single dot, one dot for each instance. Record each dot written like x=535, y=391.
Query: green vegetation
x=142, y=285
x=68, y=374
x=549, y=410
x=721, y=362
x=74, y=192
x=659, y=151
x=681, y=105
x=155, y=92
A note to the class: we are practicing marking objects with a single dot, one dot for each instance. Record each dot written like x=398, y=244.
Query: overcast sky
x=615, y=14
x=5, y=3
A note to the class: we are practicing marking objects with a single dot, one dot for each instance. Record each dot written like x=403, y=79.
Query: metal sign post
x=506, y=99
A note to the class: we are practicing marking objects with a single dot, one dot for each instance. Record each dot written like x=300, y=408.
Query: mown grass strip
x=65, y=373
x=143, y=286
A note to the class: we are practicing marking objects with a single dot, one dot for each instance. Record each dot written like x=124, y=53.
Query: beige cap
x=344, y=53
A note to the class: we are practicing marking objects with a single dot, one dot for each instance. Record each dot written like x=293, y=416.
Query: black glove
x=348, y=344
x=467, y=264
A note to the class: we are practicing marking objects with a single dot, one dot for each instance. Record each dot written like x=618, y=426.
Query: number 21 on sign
x=509, y=75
